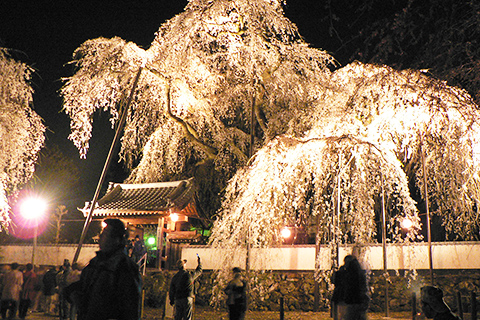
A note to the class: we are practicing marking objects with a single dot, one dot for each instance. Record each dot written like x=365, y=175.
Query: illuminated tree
x=208, y=69
x=377, y=129
x=220, y=64
x=21, y=130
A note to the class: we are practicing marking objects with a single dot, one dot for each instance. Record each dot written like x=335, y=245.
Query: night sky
x=45, y=34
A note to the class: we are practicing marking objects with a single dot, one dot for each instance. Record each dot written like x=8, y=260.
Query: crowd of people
x=109, y=287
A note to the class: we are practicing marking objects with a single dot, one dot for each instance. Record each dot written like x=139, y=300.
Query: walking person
x=110, y=285
x=351, y=294
x=138, y=250
x=182, y=290
x=12, y=285
x=49, y=284
x=28, y=291
x=236, y=291
x=72, y=278
x=64, y=306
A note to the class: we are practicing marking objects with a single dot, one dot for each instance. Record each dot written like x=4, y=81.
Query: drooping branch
x=188, y=130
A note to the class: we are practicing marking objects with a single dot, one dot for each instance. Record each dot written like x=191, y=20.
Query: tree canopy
x=21, y=130
x=225, y=80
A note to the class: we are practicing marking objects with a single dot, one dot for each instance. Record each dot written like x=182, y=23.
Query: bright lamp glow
x=406, y=223
x=286, y=233
x=174, y=217
x=33, y=208
x=151, y=241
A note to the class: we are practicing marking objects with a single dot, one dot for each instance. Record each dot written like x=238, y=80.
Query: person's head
x=237, y=272
x=113, y=236
x=181, y=264
x=14, y=266
x=29, y=266
x=137, y=238
x=349, y=258
x=66, y=263
x=432, y=301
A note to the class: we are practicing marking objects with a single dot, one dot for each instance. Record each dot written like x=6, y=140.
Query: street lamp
x=33, y=209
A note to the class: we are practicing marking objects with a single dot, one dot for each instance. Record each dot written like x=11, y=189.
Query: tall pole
x=115, y=141
x=429, y=231
x=316, y=288
x=384, y=246
x=34, y=248
x=337, y=220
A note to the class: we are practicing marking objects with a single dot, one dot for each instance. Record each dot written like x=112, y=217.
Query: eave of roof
x=148, y=201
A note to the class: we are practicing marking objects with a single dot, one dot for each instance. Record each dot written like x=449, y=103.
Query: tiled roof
x=147, y=200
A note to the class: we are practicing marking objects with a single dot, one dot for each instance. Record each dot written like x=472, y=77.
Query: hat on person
x=236, y=270
x=433, y=296
x=180, y=263
x=66, y=262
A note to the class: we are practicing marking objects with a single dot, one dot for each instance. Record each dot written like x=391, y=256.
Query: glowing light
x=174, y=217
x=286, y=233
x=151, y=241
x=406, y=223
x=33, y=208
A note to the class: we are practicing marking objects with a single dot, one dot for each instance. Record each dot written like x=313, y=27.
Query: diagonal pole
x=115, y=141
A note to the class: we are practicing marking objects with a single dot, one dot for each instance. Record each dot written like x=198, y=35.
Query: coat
x=12, y=285
x=109, y=288
x=29, y=284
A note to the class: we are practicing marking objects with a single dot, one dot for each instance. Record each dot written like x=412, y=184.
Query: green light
x=151, y=241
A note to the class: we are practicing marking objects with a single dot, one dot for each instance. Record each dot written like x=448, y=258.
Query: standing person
x=64, y=306
x=110, y=285
x=12, y=285
x=433, y=305
x=138, y=250
x=49, y=284
x=72, y=278
x=236, y=291
x=351, y=293
x=28, y=291
x=182, y=290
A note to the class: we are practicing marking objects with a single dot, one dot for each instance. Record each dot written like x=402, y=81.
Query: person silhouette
x=236, y=291
x=433, y=305
x=182, y=290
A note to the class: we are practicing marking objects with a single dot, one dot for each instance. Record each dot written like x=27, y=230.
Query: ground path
x=205, y=313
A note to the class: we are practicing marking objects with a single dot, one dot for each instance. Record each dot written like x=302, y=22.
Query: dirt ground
x=205, y=313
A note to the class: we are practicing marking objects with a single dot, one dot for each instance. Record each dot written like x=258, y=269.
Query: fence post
x=459, y=305
x=414, y=306
x=473, y=302
x=282, y=310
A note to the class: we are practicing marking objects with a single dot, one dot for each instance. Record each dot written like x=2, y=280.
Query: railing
x=142, y=264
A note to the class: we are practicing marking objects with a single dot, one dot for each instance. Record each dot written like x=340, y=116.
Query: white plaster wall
x=46, y=254
x=445, y=255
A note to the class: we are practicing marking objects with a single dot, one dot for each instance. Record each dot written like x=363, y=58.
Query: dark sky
x=46, y=33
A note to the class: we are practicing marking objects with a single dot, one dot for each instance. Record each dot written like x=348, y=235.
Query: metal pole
x=115, y=141
x=316, y=288
x=252, y=125
x=337, y=222
x=384, y=246
x=429, y=231
x=34, y=248
x=414, y=306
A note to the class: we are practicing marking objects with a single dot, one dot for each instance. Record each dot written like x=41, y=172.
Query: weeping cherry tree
x=21, y=131
x=219, y=80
